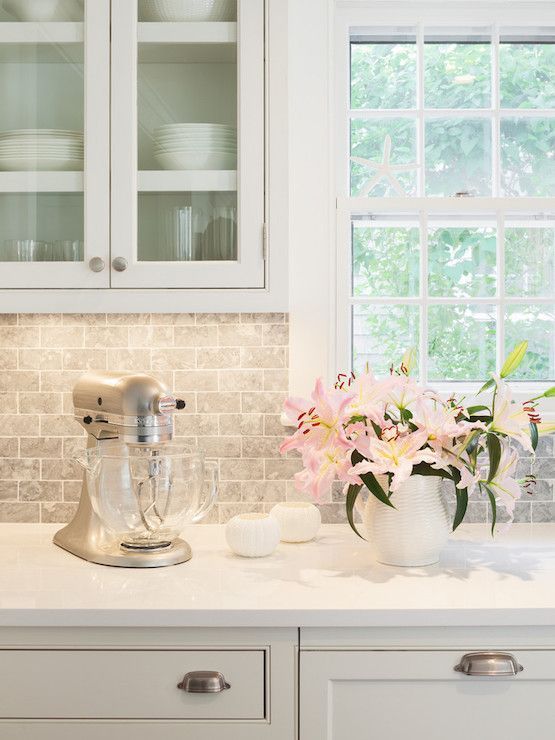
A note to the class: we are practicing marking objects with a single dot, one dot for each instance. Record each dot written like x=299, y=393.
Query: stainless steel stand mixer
x=139, y=489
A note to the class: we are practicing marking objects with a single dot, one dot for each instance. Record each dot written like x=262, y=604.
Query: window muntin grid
x=532, y=306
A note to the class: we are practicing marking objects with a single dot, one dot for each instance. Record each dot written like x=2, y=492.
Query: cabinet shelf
x=41, y=182
x=185, y=181
x=42, y=33
x=187, y=33
x=186, y=43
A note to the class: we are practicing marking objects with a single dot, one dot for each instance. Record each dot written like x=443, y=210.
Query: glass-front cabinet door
x=187, y=143
x=54, y=143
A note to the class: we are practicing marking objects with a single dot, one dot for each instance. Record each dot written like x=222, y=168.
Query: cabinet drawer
x=418, y=694
x=128, y=684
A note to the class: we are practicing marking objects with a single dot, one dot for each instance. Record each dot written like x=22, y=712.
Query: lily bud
x=514, y=359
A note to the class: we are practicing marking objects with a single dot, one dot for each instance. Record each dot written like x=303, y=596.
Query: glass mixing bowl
x=146, y=495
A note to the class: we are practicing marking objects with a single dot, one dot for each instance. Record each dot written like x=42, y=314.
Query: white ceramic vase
x=415, y=532
x=298, y=521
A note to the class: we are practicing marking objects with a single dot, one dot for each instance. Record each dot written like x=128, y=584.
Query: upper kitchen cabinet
x=54, y=143
x=188, y=144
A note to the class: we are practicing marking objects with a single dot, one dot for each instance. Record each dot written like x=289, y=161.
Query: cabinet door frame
x=94, y=182
x=249, y=269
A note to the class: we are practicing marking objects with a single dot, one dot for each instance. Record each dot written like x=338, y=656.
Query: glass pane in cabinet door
x=187, y=227
x=187, y=138
x=41, y=227
x=42, y=11
x=41, y=134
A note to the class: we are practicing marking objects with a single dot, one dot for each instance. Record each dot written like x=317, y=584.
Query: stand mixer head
x=138, y=489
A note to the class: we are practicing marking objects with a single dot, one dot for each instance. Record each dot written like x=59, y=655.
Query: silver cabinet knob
x=119, y=264
x=97, y=264
x=203, y=682
x=489, y=664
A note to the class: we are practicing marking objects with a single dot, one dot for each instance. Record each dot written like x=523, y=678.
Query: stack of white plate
x=41, y=149
x=187, y=10
x=196, y=146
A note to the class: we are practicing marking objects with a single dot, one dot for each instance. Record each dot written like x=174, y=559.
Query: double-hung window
x=445, y=184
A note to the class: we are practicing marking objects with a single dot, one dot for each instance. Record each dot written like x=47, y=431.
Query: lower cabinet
x=418, y=694
x=277, y=684
x=196, y=684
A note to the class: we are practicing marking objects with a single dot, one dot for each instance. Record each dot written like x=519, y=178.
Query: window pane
x=381, y=334
x=537, y=325
x=528, y=157
x=530, y=262
x=368, y=139
x=458, y=157
x=461, y=342
x=383, y=75
x=462, y=262
x=385, y=261
x=527, y=75
x=457, y=75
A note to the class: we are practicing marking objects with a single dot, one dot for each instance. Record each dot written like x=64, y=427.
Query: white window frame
x=320, y=346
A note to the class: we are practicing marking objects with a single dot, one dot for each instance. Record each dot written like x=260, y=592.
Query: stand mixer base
x=178, y=552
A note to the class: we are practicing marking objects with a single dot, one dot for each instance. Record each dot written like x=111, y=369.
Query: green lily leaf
x=514, y=359
x=474, y=409
x=425, y=469
x=371, y=483
x=550, y=392
x=352, y=494
x=534, y=435
x=487, y=385
x=493, y=505
x=462, y=504
x=377, y=429
x=494, y=451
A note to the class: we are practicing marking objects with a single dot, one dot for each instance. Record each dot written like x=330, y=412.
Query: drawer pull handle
x=489, y=664
x=203, y=682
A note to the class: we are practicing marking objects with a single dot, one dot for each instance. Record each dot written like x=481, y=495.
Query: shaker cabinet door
x=54, y=144
x=419, y=695
x=187, y=144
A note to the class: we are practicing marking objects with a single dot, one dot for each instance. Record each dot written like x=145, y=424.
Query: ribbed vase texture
x=415, y=532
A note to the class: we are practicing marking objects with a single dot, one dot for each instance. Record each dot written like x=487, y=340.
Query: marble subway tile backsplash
x=231, y=368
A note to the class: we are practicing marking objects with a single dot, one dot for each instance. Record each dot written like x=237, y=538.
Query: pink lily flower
x=397, y=456
x=320, y=421
x=507, y=490
x=322, y=467
x=368, y=396
x=509, y=418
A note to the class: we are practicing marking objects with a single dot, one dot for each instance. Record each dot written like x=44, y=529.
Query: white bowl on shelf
x=195, y=160
x=195, y=148
x=16, y=164
x=45, y=10
x=41, y=132
x=194, y=128
x=187, y=10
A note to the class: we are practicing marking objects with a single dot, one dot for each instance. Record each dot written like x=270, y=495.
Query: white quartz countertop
x=330, y=582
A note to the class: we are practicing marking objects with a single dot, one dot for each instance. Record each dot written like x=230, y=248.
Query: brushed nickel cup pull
x=97, y=264
x=489, y=664
x=203, y=682
x=119, y=264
